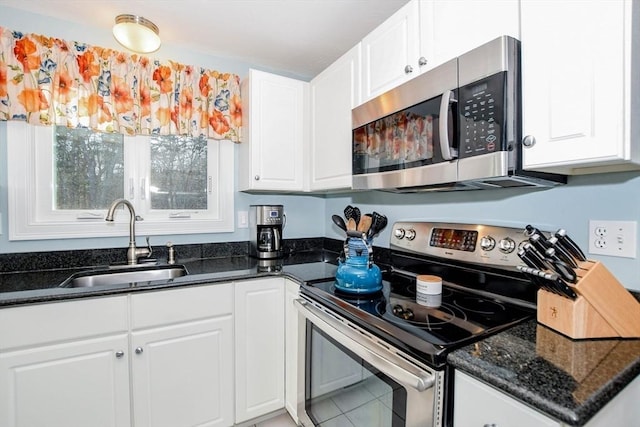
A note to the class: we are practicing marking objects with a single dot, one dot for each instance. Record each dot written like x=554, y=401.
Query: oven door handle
x=399, y=369
x=446, y=149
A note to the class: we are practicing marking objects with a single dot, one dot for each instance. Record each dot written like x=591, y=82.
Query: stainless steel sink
x=122, y=275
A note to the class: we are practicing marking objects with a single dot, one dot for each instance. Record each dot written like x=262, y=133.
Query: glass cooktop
x=446, y=321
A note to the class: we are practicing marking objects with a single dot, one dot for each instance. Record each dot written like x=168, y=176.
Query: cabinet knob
x=490, y=425
x=257, y=177
x=408, y=69
x=139, y=350
x=119, y=354
x=529, y=141
x=422, y=61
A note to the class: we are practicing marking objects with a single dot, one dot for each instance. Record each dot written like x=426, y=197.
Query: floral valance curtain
x=48, y=81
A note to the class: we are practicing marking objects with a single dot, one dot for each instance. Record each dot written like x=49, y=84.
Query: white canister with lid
x=429, y=290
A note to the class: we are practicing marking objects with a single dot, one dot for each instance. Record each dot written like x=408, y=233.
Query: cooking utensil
x=356, y=215
x=365, y=223
x=569, y=245
x=337, y=220
x=351, y=224
x=527, y=259
x=530, y=230
x=348, y=212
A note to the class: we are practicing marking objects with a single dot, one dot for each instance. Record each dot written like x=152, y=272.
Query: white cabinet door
x=259, y=344
x=390, y=53
x=182, y=374
x=70, y=384
x=294, y=353
x=575, y=60
x=334, y=92
x=461, y=25
x=275, y=132
x=477, y=405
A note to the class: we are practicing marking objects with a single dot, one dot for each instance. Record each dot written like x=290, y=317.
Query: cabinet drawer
x=60, y=321
x=180, y=305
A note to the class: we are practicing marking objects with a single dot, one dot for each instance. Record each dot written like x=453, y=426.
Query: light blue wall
x=613, y=196
x=605, y=196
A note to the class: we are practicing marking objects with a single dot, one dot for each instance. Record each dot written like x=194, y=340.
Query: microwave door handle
x=446, y=149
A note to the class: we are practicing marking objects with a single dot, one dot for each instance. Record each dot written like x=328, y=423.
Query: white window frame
x=30, y=192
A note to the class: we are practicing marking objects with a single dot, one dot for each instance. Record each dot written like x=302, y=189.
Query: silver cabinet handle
x=119, y=354
x=139, y=350
x=408, y=69
x=529, y=141
x=422, y=61
x=490, y=425
x=257, y=177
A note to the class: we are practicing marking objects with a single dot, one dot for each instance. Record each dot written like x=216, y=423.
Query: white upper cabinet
x=426, y=33
x=391, y=52
x=459, y=26
x=271, y=155
x=334, y=92
x=579, y=94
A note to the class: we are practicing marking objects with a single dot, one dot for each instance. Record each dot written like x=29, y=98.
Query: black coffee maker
x=265, y=225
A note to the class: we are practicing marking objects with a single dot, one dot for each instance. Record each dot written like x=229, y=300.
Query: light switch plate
x=613, y=238
x=243, y=219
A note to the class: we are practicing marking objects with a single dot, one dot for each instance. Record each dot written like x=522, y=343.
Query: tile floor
x=283, y=420
x=367, y=403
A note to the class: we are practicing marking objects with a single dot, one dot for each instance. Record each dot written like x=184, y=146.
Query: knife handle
x=569, y=245
x=539, y=242
x=556, y=252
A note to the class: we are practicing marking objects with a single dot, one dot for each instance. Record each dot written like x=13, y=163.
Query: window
x=62, y=181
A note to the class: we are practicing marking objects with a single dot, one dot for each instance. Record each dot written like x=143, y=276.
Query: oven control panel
x=474, y=243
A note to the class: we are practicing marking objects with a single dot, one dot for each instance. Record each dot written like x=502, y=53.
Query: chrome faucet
x=133, y=253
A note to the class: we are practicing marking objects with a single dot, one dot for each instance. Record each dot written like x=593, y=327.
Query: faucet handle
x=149, y=247
x=139, y=218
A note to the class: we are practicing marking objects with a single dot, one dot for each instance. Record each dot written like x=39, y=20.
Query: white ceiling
x=299, y=36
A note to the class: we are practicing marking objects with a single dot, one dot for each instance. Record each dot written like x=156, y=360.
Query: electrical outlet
x=243, y=219
x=613, y=238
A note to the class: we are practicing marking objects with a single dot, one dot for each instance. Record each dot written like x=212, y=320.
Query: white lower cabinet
x=65, y=364
x=182, y=354
x=259, y=347
x=477, y=405
x=73, y=364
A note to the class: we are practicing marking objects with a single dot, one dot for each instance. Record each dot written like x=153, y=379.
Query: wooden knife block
x=603, y=308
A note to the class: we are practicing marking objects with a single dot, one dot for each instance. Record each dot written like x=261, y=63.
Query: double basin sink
x=134, y=274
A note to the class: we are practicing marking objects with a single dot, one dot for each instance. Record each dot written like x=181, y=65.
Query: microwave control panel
x=481, y=107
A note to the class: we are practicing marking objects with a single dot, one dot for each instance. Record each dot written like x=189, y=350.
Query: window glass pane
x=88, y=168
x=178, y=172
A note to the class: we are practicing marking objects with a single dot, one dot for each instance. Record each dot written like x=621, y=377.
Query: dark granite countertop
x=568, y=380
x=28, y=287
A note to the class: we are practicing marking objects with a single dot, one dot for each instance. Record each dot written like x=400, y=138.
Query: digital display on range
x=449, y=238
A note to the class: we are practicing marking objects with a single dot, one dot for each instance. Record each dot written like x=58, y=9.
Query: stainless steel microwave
x=455, y=127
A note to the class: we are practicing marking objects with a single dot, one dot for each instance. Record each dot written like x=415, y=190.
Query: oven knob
x=487, y=243
x=411, y=234
x=399, y=233
x=407, y=314
x=507, y=245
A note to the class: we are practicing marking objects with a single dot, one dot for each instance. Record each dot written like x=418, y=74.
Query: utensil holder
x=603, y=309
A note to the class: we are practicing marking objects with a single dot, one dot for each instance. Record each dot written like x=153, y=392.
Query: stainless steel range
x=379, y=359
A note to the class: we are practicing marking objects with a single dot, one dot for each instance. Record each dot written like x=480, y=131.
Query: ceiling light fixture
x=136, y=33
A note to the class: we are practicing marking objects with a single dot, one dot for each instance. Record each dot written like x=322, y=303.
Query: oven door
x=351, y=378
